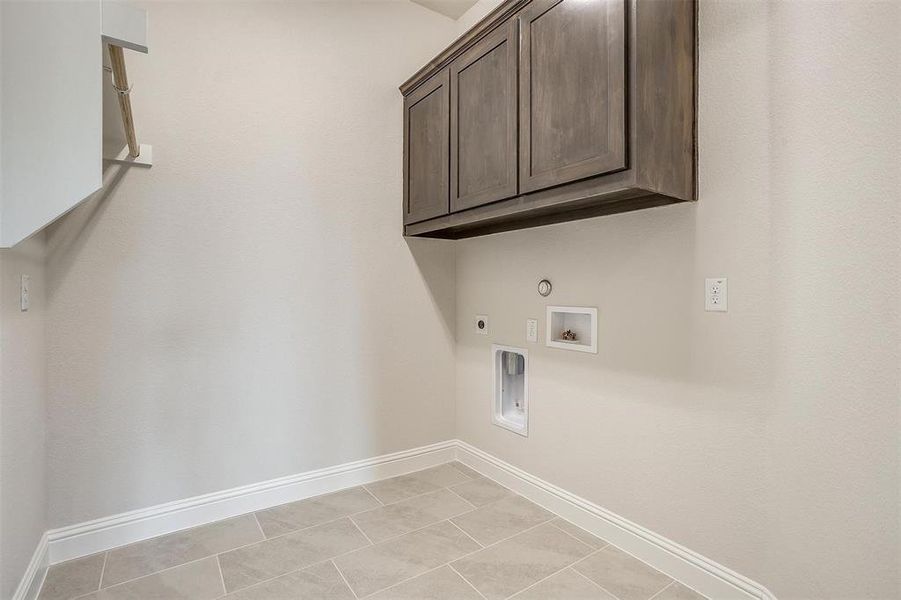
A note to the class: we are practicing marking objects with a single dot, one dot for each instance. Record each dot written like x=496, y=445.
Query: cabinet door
x=483, y=121
x=426, y=149
x=572, y=91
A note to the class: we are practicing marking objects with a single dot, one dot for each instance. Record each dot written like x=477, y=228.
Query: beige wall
x=247, y=308
x=767, y=437
x=22, y=411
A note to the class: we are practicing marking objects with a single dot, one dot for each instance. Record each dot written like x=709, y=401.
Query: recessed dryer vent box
x=572, y=328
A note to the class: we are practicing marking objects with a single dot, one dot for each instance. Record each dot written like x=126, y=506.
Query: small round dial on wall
x=544, y=287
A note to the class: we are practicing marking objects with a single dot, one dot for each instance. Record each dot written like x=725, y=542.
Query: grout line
x=348, y=517
x=501, y=540
x=468, y=554
x=407, y=474
x=333, y=559
x=466, y=534
x=265, y=538
x=437, y=489
x=259, y=525
x=462, y=556
x=218, y=554
x=608, y=544
x=466, y=580
x=304, y=568
x=102, y=570
x=221, y=576
x=368, y=539
x=593, y=582
x=592, y=548
x=450, y=489
x=190, y=562
x=374, y=497
x=558, y=571
x=667, y=586
x=403, y=581
x=399, y=535
x=344, y=579
x=384, y=504
x=465, y=474
x=645, y=563
x=432, y=524
x=275, y=537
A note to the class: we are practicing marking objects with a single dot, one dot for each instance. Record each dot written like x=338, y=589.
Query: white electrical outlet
x=481, y=324
x=24, y=291
x=716, y=294
x=532, y=330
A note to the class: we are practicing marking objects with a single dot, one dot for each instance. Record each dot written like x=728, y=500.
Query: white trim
x=692, y=569
x=698, y=572
x=103, y=534
x=33, y=579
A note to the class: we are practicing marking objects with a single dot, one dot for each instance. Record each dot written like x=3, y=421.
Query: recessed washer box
x=510, y=388
x=572, y=328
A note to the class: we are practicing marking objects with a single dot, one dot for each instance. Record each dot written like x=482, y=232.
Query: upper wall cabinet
x=558, y=110
x=483, y=121
x=427, y=140
x=571, y=90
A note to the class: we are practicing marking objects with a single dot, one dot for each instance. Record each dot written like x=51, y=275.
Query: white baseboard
x=697, y=572
x=33, y=579
x=102, y=534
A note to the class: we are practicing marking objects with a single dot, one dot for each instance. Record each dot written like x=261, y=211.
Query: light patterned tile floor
x=445, y=533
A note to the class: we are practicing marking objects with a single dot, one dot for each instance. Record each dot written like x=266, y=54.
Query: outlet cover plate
x=716, y=294
x=532, y=330
x=25, y=293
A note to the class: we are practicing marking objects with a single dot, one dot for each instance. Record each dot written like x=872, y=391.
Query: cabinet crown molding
x=500, y=14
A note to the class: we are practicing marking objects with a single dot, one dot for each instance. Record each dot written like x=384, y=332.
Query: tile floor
x=442, y=533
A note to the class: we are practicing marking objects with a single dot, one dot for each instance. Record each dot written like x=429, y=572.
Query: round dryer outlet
x=481, y=324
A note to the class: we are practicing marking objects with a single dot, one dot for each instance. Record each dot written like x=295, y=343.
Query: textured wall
x=22, y=412
x=247, y=308
x=767, y=437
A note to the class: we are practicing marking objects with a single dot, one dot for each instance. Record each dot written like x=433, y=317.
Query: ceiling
x=449, y=8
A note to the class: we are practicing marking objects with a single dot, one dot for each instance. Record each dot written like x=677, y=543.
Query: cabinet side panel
x=51, y=111
x=665, y=74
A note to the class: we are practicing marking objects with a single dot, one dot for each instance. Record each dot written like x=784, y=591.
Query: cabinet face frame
x=508, y=147
x=437, y=88
x=616, y=157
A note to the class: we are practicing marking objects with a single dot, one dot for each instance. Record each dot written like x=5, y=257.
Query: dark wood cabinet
x=571, y=91
x=483, y=121
x=556, y=110
x=427, y=146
